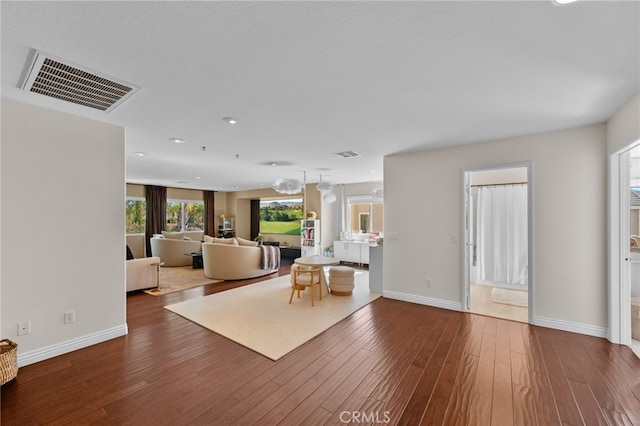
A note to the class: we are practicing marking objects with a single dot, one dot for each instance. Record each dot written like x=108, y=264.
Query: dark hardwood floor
x=391, y=362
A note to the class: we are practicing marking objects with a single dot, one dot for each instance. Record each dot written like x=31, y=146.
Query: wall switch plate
x=24, y=328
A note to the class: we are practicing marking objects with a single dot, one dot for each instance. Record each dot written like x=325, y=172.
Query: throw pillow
x=230, y=241
x=243, y=242
x=173, y=235
x=208, y=239
x=129, y=254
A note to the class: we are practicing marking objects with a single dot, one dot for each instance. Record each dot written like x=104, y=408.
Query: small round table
x=157, y=265
x=320, y=261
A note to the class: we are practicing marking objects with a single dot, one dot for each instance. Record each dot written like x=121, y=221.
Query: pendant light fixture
x=287, y=186
x=324, y=186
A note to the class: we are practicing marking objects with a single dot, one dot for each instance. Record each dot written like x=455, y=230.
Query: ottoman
x=341, y=280
x=635, y=318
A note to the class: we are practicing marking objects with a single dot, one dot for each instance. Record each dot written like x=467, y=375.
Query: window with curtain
x=136, y=215
x=185, y=215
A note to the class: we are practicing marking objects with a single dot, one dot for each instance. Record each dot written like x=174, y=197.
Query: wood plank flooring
x=389, y=363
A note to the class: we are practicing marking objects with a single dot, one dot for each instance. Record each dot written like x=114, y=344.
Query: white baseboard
x=422, y=300
x=51, y=351
x=574, y=327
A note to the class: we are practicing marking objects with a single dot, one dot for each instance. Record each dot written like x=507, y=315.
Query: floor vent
x=70, y=82
x=348, y=154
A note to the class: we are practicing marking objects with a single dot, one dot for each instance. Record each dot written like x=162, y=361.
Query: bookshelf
x=310, y=237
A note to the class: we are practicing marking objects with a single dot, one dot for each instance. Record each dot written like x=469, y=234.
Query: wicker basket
x=8, y=361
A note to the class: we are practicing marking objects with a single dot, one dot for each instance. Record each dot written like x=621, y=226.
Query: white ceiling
x=309, y=79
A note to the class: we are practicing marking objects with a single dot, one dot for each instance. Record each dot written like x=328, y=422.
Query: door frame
x=619, y=279
x=465, y=232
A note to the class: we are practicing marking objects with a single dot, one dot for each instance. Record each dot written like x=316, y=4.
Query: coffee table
x=196, y=259
x=319, y=261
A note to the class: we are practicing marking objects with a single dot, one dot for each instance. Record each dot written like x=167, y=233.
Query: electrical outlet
x=428, y=282
x=69, y=317
x=24, y=328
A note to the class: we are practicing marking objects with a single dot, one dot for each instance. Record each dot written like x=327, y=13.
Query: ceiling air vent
x=348, y=154
x=60, y=79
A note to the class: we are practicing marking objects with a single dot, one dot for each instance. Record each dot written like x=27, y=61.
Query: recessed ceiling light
x=182, y=181
x=230, y=120
x=273, y=163
x=561, y=2
x=140, y=153
x=197, y=177
x=177, y=140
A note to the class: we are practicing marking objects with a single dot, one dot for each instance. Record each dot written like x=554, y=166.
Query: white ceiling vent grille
x=60, y=79
x=348, y=154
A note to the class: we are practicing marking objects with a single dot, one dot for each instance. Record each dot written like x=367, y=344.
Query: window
x=136, y=213
x=281, y=216
x=185, y=216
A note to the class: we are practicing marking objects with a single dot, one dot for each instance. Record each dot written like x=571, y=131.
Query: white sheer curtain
x=502, y=234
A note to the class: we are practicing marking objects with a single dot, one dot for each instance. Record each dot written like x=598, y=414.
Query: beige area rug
x=509, y=297
x=177, y=278
x=260, y=317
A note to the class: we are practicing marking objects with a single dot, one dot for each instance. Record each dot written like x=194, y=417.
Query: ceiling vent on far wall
x=348, y=154
x=64, y=80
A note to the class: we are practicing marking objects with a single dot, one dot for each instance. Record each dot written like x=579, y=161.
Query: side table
x=196, y=259
x=157, y=265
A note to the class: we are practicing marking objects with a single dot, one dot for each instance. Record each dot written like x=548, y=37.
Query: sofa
x=142, y=273
x=232, y=261
x=173, y=248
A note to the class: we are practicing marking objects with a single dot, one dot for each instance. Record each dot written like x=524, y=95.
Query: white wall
x=498, y=176
x=62, y=245
x=1, y=273
x=624, y=127
x=423, y=212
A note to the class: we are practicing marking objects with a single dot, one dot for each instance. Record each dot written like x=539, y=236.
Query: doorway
x=497, y=245
x=624, y=287
x=634, y=246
